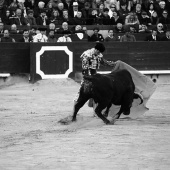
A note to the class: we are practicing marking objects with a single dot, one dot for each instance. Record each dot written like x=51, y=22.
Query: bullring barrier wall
x=47, y=60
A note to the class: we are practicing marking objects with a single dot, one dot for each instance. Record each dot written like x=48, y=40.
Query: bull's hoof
x=66, y=120
x=126, y=112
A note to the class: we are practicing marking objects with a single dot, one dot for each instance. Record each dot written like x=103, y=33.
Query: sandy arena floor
x=32, y=139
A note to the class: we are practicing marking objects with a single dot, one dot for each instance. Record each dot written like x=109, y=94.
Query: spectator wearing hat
x=105, y=18
x=41, y=35
x=127, y=37
x=110, y=37
x=26, y=36
x=74, y=10
x=42, y=19
x=166, y=37
x=65, y=37
x=30, y=17
x=96, y=36
x=153, y=36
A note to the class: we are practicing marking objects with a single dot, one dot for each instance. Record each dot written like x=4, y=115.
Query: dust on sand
x=31, y=137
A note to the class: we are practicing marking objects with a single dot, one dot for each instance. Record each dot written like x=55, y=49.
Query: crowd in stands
x=42, y=20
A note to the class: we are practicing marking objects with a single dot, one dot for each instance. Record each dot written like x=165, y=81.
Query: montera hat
x=100, y=47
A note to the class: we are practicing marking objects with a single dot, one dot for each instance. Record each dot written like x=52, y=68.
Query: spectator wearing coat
x=42, y=19
x=127, y=37
x=26, y=37
x=166, y=37
x=110, y=37
x=96, y=36
x=30, y=18
x=153, y=36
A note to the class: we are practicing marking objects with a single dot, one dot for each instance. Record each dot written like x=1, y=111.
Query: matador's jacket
x=91, y=62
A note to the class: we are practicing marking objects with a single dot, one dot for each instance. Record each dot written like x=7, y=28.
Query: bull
x=106, y=89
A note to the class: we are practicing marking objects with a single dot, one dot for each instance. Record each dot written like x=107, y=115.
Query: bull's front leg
x=98, y=111
x=77, y=105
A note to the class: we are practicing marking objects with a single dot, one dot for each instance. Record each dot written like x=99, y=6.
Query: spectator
x=115, y=19
x=30, y=18
x=65, y=37
x=14, y=29
x=26, y=36
x=78, y=20
x=127, y=37
x=93, y=18
x=111, y=10
x=38, y=9
x=49, y=9
x=96, y=36
x=160, y=8
x=105, y=18
x=119, y=28
x=123, y=12
x=29, y=4
x=55, y=18
x=151, y=10
x=51, y=36
x=18, y=19
x=64, y=27
x=86, y=12
x=132, y=20
x=153, y=36
x=100, y=9
x=110, y=37
x=144, y=19
x=81, y=4
x=32, y=32
x=96, y=4
x=60, y=8
x=74, y=10
x=164, y=19
x=66, y=18
x=160, y=30
x=1, y=27
x=55, y=3
x=166, y=37
x=6, y=17
x=67, y=4
x=41, y=35
x=13, y=6
x=144, y=29
x=138, y=10
x=6, y=37
x=42, y=19
x=154, y=18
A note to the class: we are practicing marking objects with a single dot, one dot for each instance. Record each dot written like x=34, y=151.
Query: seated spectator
x=73, y=11
x=6, y=17
x=96, y=36
x=132, y=20
x=166, y=37
x=50, y=9
x=60, y=8
x=96, y=4
x=119, y=28
x=127, y=37
x=39, y=8
x=86, y=12
x=93, y=18
x=1, y=27
x=105, y=18
x=41, y=35
x=150, y=9
x=145, y=19
x=154, y=18
x=115, y=19
x=51, y=26
x=164, y=19
x=110, y=37
x=29, y=4
x=78, y=20
x=160, y=29
x=144, y=29
x=55, y=18
x=13, y=6
x=64, y=27
x=65, y=37
x=123, y=12
x=14, y=29
x=18, y=19
x=42, y=19
x=160, y=8
x=111, y=10
x=100, y=9
x=32, y=31
x=51, y=37
x=26, y=36
x=6, y=37
x=30, y=18
x=138, y=10
x=153, y=36
x=132, y=29
x=66, y=18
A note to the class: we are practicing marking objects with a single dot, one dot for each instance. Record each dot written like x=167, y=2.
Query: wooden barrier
x=54, y=60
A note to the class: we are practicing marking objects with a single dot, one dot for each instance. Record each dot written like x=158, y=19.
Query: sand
x=32, y=139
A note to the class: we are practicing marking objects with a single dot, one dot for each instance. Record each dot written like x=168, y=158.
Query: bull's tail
x=138, y=95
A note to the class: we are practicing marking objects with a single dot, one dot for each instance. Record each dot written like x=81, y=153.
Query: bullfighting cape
x=143, y=85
